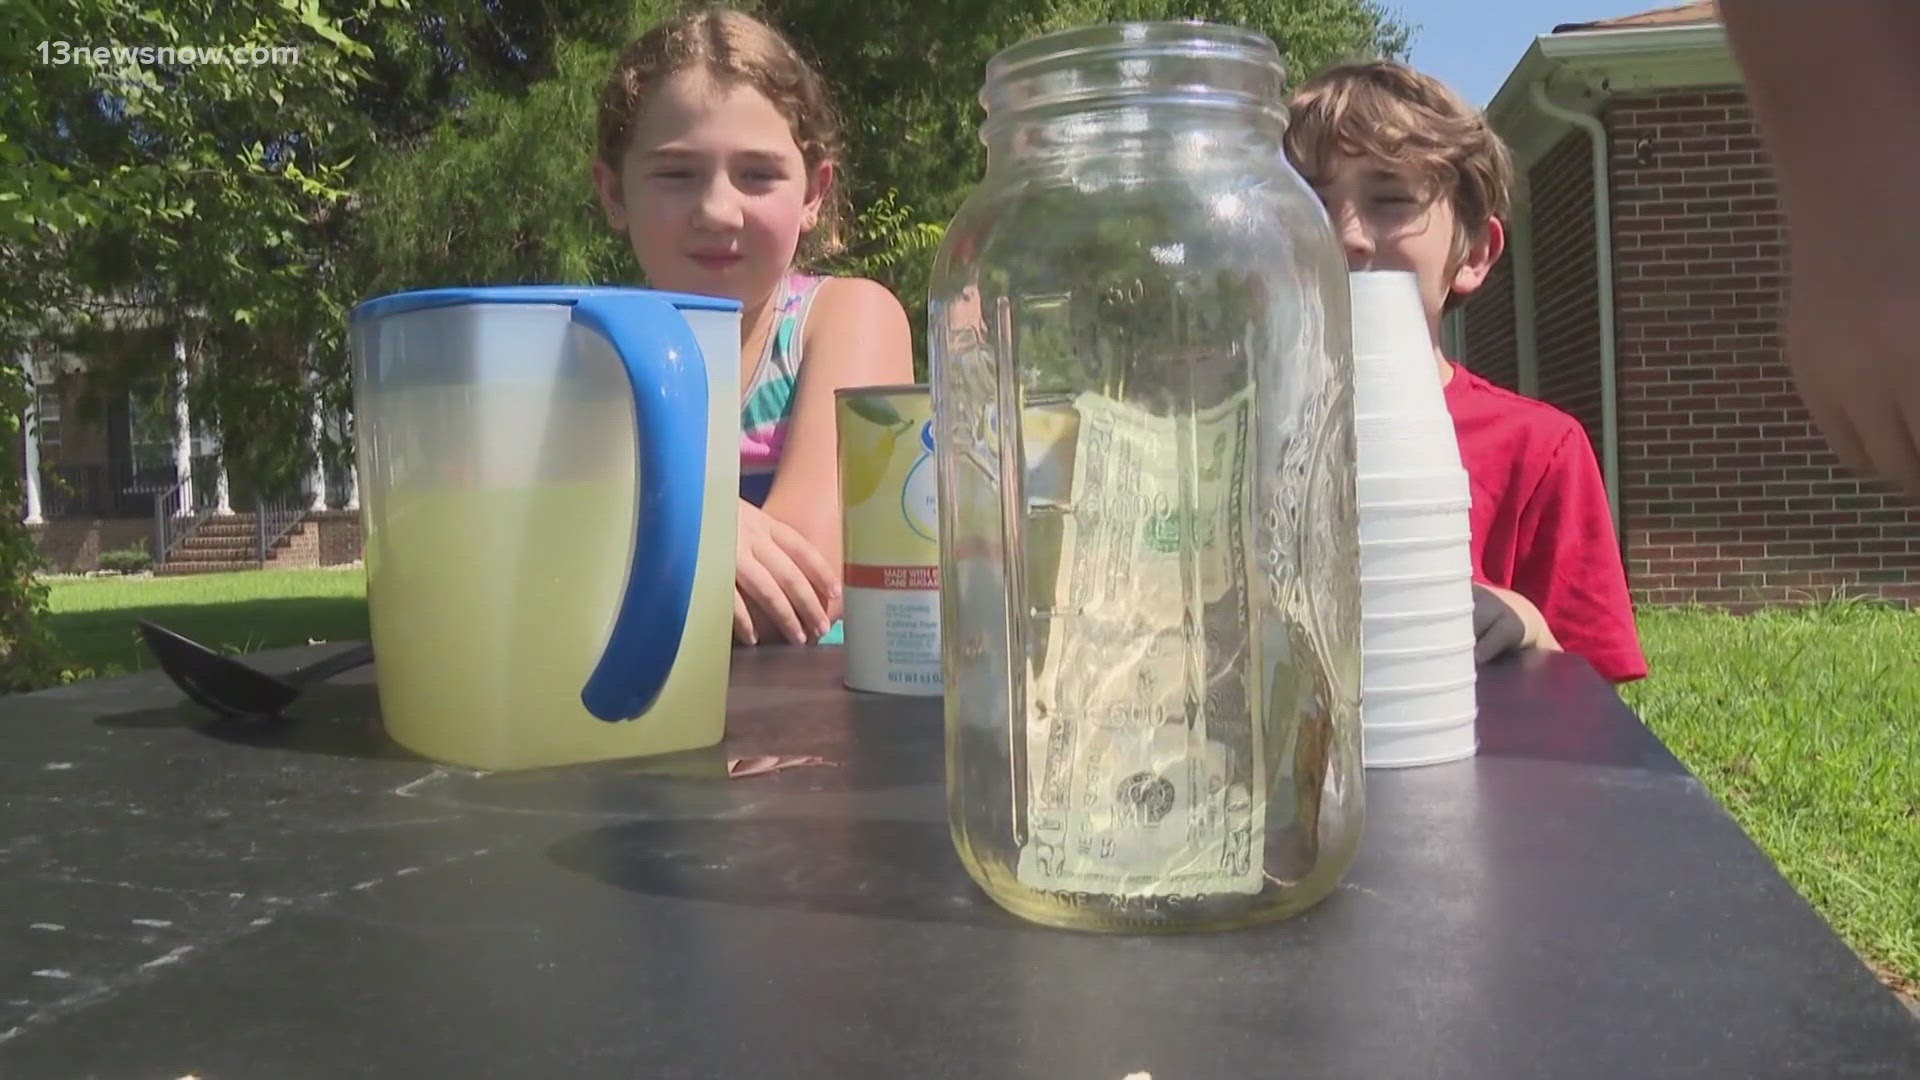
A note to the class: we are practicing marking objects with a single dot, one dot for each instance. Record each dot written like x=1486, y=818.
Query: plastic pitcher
x=548, y=480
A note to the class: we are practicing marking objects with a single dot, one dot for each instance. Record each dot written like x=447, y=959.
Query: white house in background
x=107, y=469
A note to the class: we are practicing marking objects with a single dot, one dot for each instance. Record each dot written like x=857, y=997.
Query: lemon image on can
x=890, y=539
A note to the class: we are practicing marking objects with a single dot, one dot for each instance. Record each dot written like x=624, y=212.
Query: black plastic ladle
x=232, y=689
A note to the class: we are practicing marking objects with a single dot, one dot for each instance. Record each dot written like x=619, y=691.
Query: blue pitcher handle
x=668, y=375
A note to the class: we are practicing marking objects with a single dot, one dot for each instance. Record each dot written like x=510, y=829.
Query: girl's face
x=713, y=192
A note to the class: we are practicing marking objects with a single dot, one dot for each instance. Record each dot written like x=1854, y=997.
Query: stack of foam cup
x=1416, y=592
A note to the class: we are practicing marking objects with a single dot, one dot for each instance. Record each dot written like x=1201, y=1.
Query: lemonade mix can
x=890, y=539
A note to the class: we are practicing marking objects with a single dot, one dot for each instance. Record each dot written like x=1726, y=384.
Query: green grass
x=93, y=618
x=1806, y=725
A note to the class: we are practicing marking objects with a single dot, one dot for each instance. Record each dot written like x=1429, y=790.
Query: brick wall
x=1729, y=494
x=1488, y=315
x=1566, y=298
x=298, y=550
x=73, y=545
x=339, y=536
x=325, y=538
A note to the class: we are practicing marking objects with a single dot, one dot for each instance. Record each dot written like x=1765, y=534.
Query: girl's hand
x=788, y=577
x=781, y=582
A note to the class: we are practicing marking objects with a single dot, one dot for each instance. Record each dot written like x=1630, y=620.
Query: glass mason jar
x=1141, y=376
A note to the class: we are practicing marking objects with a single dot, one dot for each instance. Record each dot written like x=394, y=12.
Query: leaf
x=876, y=410
x=324, y=27
x=741, y=768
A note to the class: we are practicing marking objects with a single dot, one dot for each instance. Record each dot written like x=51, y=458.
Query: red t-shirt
x=1541, y=527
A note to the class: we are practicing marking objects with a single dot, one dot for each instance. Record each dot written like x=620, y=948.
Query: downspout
x=1603, y=249
x=1525, y=337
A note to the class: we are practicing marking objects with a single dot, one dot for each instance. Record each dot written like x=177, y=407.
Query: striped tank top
x=766, y=404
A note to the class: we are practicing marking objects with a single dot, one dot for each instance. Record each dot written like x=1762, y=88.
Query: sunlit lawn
x=1806, y=725
x=93, y=618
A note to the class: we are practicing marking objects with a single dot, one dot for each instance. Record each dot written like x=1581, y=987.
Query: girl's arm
x=856, y=335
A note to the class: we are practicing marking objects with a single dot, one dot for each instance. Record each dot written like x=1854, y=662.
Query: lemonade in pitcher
x=478, y=714
x=550, y=482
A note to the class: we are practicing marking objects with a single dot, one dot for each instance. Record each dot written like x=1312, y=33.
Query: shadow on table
x=1555, y=707
x=887, y=869
x=335, y=719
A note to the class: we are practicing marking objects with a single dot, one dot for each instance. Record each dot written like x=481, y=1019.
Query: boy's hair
x=1386, y=111
x=733, y=48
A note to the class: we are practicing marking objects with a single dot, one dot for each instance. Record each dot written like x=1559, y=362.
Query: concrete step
x=203, y=542
x=225, y=558
x=227, y=542
x=201, y=547
x=236, y=526
x=179, y=567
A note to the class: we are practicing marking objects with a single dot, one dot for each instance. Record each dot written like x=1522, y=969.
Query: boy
x=1414, y=180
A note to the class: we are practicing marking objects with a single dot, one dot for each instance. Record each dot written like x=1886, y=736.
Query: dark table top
x=314, y=902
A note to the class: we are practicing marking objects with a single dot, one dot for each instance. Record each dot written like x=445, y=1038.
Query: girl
x=717, y=156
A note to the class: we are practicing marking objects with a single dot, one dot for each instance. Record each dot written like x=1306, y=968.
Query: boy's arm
x=1569, y=567
x=1503, y=620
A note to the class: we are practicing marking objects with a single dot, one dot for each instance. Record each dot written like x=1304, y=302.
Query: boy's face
x=1390, y=219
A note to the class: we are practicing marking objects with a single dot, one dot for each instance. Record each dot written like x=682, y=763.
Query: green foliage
x=886, y=237
x=496, y=193
x=127, y=560
x=146, y=190
x=183, y=185
x=498, y=190
x=29, y=657
x=907, y=75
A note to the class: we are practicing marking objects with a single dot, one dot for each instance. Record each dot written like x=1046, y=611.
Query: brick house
x=1663, y=340
x=103, y=462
